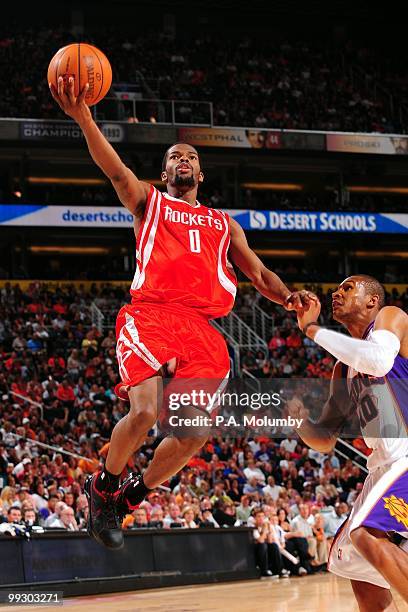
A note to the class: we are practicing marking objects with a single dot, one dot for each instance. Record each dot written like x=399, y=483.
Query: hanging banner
x=67, y=131
x=250, y=138
x=365, y=143
x=36, y=215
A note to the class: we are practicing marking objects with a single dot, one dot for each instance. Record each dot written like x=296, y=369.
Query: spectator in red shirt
x=12, y=364
x=294, y=340
x=326, y=372
x=313, y=368
x=60, y=308
x=20, y=387
x=30, y=433
x=56, y=365
x=34, y=307
x=64, y=473
x=277, y=342
x=65, y=392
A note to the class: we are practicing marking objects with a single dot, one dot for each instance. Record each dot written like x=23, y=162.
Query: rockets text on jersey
x=182, y=257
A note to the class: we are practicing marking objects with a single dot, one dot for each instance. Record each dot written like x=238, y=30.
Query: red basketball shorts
x=148, y=336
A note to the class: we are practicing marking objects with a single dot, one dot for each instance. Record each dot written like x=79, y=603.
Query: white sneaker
x=285, y=573
x=302, y=571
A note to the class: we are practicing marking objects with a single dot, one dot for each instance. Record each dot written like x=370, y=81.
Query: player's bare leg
x=372, y=598
x=171, y=456
x=104, y=520
x=131, y=431
x=386, y=557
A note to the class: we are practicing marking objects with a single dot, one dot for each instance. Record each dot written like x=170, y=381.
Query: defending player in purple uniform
x=371, y=376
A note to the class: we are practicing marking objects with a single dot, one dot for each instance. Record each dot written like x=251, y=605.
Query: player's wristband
x=306, y=327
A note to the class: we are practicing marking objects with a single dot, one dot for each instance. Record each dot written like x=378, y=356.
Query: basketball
x=86, y=64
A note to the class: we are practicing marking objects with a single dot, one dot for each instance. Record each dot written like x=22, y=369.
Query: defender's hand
x=310, y=315
x=297, y=409
x=299, y=300
x=74, y=107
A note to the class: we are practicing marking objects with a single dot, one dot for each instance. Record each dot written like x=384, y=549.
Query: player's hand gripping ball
x=86, y=65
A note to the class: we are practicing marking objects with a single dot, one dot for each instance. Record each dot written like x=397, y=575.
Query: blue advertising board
x=37, y=215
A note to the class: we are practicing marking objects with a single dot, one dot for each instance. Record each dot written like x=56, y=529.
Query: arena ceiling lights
x=377, y=189
x=54, y=180
x=273, y=186
x=380, y=254
x=68, y=250
x=281, y=252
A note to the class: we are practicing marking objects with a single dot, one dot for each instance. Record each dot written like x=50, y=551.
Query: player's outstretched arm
x=131, y=192
x=374, y=357
x=322, y=435
x=265, y=281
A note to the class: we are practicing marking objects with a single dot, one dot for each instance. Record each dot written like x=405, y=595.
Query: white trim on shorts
x=135, y=346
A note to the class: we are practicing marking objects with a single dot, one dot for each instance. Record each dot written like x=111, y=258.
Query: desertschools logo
x=257, y=220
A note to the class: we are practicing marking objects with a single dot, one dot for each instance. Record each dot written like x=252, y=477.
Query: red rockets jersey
x=181, y=257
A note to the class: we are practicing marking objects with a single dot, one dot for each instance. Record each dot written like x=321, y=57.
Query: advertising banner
x=365, y=143
x=47, y=131
x=300, y=221
x=36, y=215
x=231, y=137
x=50, y=130
x=67, y=131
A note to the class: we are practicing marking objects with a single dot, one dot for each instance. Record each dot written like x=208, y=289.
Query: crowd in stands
x=58, y=408
x=254, y=82
x=290, y=353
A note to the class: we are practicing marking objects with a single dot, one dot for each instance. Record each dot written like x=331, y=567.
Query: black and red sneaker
x=104, y=524
x=122, y=504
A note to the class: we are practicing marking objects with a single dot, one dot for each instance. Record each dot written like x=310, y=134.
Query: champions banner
x=33, y=215
x=67, y=131
x=365, y=143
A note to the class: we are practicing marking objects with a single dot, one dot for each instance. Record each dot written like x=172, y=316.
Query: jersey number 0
x=195, y=243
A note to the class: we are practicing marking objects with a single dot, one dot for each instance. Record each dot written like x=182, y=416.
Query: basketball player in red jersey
x=183, y=279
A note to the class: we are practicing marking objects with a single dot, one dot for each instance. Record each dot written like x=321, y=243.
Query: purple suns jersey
x=382, y=409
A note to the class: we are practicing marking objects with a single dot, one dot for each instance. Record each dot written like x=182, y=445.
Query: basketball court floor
x=321, y=593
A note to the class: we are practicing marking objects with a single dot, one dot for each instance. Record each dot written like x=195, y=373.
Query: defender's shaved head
x=373, y=287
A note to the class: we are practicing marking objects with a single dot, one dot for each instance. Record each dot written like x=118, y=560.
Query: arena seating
x=295, y=84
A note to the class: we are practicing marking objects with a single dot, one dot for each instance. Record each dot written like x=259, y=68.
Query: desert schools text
x=232, y=421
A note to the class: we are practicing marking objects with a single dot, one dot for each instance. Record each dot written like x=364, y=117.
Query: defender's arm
x=322, y=435
x=375, y=357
